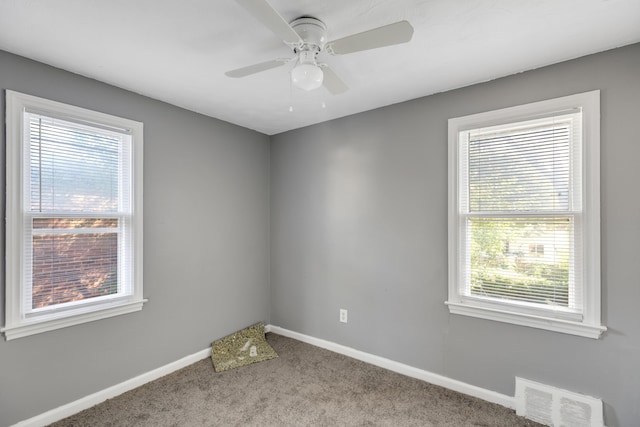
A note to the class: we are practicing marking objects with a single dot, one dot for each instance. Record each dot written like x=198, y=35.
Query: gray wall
x=206, y=263
x=359, y=221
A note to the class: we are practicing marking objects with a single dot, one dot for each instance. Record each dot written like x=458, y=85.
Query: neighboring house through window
x=524, y=215
x=74, y=215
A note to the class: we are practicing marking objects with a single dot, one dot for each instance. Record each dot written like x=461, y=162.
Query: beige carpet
x=305, y=386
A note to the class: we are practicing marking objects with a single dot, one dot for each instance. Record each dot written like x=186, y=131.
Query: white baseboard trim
x=401, y=368
x=86, y=402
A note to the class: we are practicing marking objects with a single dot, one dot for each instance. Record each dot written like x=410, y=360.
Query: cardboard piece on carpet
x=241, y=348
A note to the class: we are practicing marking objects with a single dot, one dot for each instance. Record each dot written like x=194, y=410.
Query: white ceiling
x=178, y=50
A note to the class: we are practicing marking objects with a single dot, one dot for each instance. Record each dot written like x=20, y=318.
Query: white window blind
x=74, y=215
x=78, y=208
x=522, y=191
x=524, y=224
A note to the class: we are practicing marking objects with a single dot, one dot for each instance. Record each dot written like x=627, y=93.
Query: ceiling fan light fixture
x=307, y=36
x=307, y=76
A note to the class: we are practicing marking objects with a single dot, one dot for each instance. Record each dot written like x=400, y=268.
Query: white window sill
x=25, y=329
x=533, y=321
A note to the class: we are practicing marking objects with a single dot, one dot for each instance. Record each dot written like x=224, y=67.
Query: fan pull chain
x=290, y=93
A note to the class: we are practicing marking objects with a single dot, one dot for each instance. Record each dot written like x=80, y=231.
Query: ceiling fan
x=307, y=37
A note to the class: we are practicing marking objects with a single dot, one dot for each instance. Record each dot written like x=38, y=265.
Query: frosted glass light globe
x=307, y=76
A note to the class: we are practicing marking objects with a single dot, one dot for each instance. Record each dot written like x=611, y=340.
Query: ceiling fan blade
x=332, y=82
x=396, y=33
x=271, y=19
x=256, y=68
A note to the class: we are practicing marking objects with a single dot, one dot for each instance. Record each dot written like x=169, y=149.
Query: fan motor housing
x=312, y=31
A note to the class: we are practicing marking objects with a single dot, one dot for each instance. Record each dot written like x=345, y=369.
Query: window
x=537, y=250
x=74, y=216
x=524, y=215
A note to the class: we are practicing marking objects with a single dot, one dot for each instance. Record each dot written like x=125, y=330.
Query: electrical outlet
x=343, y=315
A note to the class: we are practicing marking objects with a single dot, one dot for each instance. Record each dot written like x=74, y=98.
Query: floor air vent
x=556, y=407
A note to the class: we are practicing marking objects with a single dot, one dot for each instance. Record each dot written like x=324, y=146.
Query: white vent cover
x=555, y=407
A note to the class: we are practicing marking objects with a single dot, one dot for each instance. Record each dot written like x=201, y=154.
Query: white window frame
x=588, y=323
x=129, y=299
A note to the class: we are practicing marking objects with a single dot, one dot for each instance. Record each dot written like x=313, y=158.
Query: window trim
x=590, y=325
x=17, y=323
